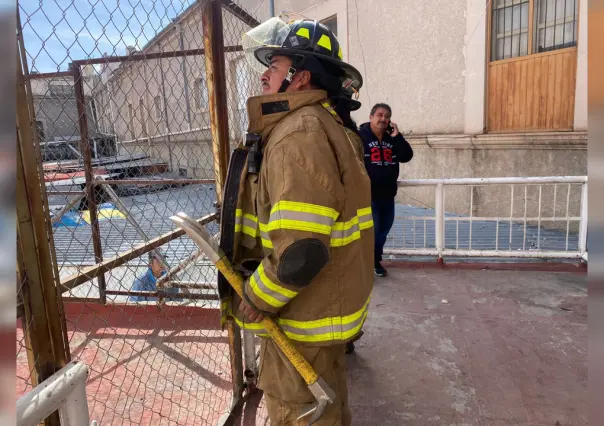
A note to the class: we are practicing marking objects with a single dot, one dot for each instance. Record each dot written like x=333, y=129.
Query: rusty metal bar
x=90, y=187
x=153, y=181
x=216, y=84
x=43, y=189
x=43, y=75
x=120, y=206
x=179, y=268
x=82, y=299
x=163, y=295
x=64, y=193
x=67, y=207
x=42, y=326
x=240, y=13
x=193, y=286
x=147, y=56
x=95, y=270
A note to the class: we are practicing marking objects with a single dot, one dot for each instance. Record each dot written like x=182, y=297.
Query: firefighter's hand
x=395, y=132
x=252, y=314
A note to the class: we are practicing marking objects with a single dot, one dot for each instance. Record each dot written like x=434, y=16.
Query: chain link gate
x=136, y=109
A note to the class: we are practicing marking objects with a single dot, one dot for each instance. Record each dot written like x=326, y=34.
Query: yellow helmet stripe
x=303, y=32
x=325, y=42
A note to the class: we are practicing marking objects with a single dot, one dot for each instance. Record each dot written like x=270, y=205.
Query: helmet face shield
x=271, y=33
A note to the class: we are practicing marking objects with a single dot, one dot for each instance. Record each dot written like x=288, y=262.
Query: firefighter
x=302, y=229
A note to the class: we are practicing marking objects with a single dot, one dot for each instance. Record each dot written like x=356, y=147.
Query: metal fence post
x=90, y=187
x=43, y=324
x=439, y=220
x=583, y=223
x=217, y=91
x=217, y=94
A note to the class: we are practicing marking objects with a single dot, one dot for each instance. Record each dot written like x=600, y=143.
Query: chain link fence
x=123, y=100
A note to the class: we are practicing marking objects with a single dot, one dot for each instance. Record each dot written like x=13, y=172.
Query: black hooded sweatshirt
x=382, y=161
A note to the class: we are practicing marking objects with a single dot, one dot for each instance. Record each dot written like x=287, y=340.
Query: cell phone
x=389, y=129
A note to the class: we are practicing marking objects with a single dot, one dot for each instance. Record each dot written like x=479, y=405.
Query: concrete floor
x=478, y=347
x=506, y=348
x=470, y=347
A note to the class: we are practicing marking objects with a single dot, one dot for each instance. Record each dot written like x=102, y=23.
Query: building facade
x=481, y=88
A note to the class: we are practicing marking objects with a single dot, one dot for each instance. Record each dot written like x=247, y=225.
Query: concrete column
x=581, y=83
x=475, y=65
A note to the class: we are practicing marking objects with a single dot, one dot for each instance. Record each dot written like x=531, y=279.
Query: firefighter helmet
x=306, y=42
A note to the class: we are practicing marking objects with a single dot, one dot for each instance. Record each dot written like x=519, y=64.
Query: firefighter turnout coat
x=303, y=221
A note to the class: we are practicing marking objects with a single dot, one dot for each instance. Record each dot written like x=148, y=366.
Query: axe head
x=324, y=396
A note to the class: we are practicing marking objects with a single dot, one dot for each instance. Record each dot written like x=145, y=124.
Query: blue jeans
x=383, y=218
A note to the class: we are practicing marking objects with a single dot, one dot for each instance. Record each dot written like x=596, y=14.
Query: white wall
x=411, y=55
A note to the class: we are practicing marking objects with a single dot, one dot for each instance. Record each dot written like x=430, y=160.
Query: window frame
x=532, y=36
x=329, y=19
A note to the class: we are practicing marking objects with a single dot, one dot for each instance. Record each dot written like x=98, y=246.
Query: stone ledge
x=546, y=140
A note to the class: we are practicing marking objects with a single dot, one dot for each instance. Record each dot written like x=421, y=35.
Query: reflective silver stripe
x=365, y=221
x=345, y=233
x=334, y=329
x=301, y=216
x=249, y=227
x=264, y=288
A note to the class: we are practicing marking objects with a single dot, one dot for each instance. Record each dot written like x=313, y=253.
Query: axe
x=318, y=387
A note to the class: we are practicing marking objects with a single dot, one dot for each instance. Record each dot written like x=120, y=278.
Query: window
x=201, y=94
x=332, y=24
x=523, y=27
x=157, y=106
x=555, y=26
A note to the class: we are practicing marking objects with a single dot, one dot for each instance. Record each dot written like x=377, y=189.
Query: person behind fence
x=385, y=147
x=303, y=210
x=148, y=281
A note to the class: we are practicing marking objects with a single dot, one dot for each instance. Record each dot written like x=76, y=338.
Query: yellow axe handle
x=279, y=337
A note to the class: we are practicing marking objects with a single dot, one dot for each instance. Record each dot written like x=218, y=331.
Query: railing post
x=583, y=222
x=439, y=219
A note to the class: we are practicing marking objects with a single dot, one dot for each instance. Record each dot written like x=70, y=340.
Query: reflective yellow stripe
x=301, y=217
x=329, y=108
x=246, y=223
x=325, y=42
x=365, y=218
x=321, y=330
x=343, y=241
x=292, y=215
x=340, y=53
x=303, y=32
x=266, y=241
x=305, y=208
x=267, y=290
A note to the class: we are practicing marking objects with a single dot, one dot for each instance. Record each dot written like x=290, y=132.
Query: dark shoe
x=349, y=348
x=379, y=270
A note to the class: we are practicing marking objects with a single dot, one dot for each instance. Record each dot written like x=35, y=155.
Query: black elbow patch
x=302, y=261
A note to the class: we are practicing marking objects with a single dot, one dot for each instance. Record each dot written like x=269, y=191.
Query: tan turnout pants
x=285, y=392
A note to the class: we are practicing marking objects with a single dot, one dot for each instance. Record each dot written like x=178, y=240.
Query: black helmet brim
x=265, y=53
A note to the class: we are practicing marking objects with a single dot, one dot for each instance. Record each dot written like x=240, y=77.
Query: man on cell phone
x=385, y=147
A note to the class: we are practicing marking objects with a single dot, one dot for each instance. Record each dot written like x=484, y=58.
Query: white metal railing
x=508, y=234
x=64, y=391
